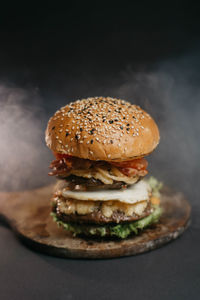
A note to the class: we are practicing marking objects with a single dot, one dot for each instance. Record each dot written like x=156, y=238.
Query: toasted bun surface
x=102, y=128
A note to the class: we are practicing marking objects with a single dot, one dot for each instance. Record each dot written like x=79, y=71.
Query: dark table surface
x=146, y=54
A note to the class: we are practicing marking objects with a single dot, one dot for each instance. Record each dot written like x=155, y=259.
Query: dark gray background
x=144, y=53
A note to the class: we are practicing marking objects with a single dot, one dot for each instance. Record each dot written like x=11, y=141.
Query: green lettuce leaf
x=155, y=185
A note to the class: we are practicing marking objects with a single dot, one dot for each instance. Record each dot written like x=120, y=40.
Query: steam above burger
x=99, y=146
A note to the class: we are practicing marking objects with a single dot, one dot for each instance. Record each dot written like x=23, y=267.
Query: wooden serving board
x=28, y=214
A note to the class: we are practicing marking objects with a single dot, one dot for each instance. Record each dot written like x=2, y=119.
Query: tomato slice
x=60, y=156
x=138, y=164
x=129, y=168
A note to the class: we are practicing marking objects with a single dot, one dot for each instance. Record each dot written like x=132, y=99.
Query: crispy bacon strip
x=64, y=163
x=132, y=167
x=58, y=167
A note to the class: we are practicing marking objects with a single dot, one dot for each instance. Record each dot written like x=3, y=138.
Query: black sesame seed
x=121, y=127
x=92, y=130
x=81, y=129
x=67, y=133
x=104, y=120
x=76, y=137
x=110, y=121
x=134, y=117
x=127, y=129
x=124, y=118
x=116, y=120
x=128, y=124
x=91, y=142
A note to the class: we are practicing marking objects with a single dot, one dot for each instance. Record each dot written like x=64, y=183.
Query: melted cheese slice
x=133, y=194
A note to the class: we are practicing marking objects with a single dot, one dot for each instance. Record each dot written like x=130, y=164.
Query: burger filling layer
x=102, y=198
x=103, y=206
x=107, y=172
x=107, y=208
x=122, y=230
x=99, y=212
x=132, y=194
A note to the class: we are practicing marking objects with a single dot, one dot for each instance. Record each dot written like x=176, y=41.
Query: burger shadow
x=4, y=222
x=93, y=271
x=98, y=271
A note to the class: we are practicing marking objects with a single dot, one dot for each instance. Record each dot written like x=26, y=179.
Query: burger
x=99, y=144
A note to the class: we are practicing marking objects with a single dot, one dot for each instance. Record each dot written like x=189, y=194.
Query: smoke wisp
x=171, y=94
x=24, y=157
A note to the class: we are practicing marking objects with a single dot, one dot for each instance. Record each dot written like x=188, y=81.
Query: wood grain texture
x=28, y=214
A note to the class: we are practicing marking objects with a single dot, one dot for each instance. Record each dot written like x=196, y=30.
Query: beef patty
x=83, y=184
x=99, y=212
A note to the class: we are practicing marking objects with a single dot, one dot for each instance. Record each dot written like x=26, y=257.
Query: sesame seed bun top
x=102, y=128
